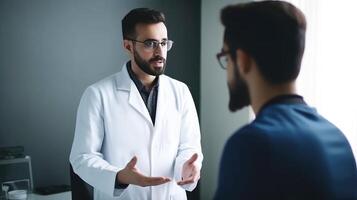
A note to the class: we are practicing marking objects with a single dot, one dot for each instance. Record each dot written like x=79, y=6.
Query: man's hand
x=130, y=175
x=190, y=174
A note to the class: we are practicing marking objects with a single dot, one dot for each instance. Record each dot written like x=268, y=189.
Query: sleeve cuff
x=119, y=185
x=189, y=187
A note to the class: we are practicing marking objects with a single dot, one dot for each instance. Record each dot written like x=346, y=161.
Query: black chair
x=80, y=189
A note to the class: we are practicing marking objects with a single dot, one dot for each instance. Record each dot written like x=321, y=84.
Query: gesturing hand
x=190, y=173
x=131, y=175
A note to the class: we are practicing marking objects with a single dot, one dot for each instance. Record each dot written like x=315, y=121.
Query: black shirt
x=149, y=96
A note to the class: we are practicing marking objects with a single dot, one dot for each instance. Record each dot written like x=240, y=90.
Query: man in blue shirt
x=289, y=151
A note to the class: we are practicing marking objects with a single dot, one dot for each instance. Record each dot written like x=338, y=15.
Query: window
x=328, y=78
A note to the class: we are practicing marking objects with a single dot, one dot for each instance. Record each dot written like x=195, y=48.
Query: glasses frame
x=220, y=55
x=156, y=42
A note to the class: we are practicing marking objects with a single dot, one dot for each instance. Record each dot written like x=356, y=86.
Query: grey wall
x=217, y=123
x=50, y=51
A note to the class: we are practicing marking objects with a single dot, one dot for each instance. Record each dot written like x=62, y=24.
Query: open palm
x=131, y=175
x=190, y=173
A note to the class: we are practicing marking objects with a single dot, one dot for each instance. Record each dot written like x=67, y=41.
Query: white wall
x=217, y=123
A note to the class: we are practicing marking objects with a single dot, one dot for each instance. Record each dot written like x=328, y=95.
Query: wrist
x=118, y=183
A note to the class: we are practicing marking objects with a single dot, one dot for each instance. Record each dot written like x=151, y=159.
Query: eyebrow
x=151, y=39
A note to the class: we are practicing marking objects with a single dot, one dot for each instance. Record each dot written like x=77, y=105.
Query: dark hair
x=139, y=16
x=271, y=32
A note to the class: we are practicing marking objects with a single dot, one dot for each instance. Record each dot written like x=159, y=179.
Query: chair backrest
x=80, y=189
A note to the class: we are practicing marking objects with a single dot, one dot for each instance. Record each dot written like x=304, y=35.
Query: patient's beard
x=238, y=92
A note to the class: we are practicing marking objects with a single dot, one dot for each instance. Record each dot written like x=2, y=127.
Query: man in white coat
x=137, y=134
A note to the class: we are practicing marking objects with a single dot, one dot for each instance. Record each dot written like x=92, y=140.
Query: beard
x=238, y=92
x=145, y=65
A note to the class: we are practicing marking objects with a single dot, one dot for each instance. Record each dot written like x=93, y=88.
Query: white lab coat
x=113, y=124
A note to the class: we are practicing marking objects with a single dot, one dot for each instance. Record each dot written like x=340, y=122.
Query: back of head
x=139, y=16
x=271, y=32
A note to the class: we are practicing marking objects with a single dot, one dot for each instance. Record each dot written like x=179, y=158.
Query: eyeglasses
x=222, y=59
x=151, y=44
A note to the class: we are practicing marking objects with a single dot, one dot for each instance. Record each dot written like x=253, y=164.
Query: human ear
x=244, y=61
x=127, y=46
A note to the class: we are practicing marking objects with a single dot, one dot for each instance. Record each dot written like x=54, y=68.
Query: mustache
x=157, y=58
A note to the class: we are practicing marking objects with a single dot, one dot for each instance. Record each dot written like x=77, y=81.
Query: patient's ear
x=244, y=61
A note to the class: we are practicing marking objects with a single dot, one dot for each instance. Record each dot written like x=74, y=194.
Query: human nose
x=159, y=49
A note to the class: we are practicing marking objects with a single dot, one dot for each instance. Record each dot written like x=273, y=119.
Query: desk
x=59, y=196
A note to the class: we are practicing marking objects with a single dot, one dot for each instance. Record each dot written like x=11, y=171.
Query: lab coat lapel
x=136, y=101
x=124, y=82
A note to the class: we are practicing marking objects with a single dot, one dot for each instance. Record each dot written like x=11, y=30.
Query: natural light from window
x=328, y=78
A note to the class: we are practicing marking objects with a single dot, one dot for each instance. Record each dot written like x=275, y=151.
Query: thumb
x=193, y=158
x=132, y=162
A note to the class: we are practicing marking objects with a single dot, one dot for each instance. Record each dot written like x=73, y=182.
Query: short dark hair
x=139, y=16
x=271, y=32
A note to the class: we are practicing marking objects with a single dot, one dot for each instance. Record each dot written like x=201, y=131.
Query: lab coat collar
x=124, y=82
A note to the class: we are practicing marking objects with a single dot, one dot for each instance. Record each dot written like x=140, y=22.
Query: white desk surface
x=59, y=196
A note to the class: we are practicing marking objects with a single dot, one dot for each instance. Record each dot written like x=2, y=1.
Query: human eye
x=163, y=43
x=150, y=44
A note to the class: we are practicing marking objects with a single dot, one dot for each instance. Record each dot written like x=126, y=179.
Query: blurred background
x=50, y=51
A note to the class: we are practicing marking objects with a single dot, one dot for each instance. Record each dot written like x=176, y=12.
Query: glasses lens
x=169, y=44
x=223, y=61
x=150, y=44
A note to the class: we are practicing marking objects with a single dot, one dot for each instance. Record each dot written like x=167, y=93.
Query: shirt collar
x=284, y=99
x=137, y=82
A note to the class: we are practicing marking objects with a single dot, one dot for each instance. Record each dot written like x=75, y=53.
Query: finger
x=186, y=181
x=193, y=158
x=132, y=162
x=152, y=181
x=191, y=179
